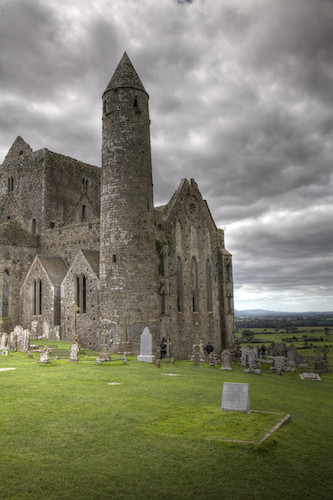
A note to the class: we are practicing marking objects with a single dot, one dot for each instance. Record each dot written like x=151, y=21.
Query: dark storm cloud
x=240, y=100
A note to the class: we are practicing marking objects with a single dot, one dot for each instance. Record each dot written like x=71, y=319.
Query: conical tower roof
x=125, y=76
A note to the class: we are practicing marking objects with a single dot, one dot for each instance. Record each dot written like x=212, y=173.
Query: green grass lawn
x=67, y=434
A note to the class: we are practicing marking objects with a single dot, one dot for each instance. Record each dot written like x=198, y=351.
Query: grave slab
x=236, y=397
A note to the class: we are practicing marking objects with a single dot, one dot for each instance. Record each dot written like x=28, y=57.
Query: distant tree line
x=289, y=324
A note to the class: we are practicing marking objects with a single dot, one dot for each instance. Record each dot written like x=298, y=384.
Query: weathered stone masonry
x=85, y=248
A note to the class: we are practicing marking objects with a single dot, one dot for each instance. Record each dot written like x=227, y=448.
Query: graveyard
x=120, y=429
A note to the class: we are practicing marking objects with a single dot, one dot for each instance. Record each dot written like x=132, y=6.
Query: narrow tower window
x=84, y=212
x=135, y=102
x=5, y=294
x=104, y=106
x=33, y=226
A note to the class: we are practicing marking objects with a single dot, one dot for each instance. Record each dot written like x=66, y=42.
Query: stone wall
x=49, y=316
x=17, y=251
x=186, y=235
x=85, y=324
x=66, y=241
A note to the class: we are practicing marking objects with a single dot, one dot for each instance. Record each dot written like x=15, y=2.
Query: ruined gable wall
x=49, y=293
x=66, y=241
x=86, y=323
x=17, y=251
x=190, y=232
x=16, y=260
x=22, y=187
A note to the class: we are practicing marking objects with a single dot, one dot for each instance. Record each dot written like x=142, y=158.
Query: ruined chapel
x=83, y=248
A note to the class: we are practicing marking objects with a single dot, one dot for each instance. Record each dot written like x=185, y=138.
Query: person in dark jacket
x=163, y=348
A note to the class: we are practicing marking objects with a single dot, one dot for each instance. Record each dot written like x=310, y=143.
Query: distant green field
x=67, y=433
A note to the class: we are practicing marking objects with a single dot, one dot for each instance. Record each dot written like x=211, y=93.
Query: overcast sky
x=241, y=99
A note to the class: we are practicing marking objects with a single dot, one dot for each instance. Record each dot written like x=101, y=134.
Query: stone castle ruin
x=83, y=248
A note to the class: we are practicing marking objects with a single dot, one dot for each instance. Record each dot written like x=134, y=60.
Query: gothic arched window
x=180, y=286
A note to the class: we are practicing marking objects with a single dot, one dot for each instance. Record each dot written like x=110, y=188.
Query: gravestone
x=225, y=361
x=44, y=355
x=3, y=340
x=18, y=331
x=291, y=357
x=146, y=343
x=12, y=341
x=280, y=365
x=250, y=360
x=25, y=341
x=46, y=330
x=74, y=353
x=310, y=376
x=236, y=397
x=34, y=328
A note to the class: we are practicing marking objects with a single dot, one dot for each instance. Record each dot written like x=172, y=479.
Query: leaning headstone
x=158, y=363
x=29, y=354
x=236, y=397
x=44, y=355
x=74, y=353
x=25, y=341
x=225, y=361
x=146, y=343
x=172, y=361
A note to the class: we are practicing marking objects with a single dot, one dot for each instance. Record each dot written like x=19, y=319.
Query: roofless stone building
x=83, y=247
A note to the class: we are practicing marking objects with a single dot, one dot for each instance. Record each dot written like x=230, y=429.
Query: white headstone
x=236, y=397
x=146, y=342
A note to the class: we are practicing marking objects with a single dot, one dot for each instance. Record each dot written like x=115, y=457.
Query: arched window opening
x=209, y=286
x=5, y=294
x=135, y=104
x=195, y=286
x=180, y=286
x=229, y=304
x=228, y=272
x=37, y=301
x=84, y=295
x=80, y=293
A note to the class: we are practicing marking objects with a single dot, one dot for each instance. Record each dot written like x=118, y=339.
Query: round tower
x=128, y=269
